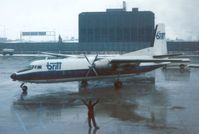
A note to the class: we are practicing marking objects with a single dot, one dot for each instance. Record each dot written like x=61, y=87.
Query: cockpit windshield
x=36, y=66
x=30, y=67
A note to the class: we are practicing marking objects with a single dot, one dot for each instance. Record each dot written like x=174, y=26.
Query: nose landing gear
x=24, y=88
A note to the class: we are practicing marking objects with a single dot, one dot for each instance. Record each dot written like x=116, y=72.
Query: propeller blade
x=87, y=59
x=95, y=71
x=95, y=58
x=92, y=67
x=88, y=72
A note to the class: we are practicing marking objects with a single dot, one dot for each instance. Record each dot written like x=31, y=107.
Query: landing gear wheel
x=164, y=67
x=24, y=88
x=118, y=84
x=84, y=83
x=182, y=68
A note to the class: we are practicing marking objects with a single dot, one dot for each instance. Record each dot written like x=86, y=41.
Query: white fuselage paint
x=70, y=64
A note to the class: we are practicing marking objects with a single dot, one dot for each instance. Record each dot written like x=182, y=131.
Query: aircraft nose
x=13, y=76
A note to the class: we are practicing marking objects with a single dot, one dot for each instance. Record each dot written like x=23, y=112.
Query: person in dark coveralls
x=91, y=115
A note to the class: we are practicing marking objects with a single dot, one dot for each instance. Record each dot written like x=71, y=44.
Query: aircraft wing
x=120, y=61
x=76, y=56
x=59, y=55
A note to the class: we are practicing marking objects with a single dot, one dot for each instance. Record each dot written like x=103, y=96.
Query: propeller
x=92, y=65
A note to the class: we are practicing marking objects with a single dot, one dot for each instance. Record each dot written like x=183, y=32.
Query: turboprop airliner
x=85, y=68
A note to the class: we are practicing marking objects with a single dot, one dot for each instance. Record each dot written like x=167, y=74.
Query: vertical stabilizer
x=160, y=44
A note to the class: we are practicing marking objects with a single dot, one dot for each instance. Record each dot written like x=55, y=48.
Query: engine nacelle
x=102, y=64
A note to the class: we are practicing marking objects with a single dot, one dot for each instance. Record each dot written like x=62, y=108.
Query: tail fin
x=160, y=44
x=158, y=47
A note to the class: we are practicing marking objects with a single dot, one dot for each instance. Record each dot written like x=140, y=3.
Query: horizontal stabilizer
x=120, y=61
x=193, y=65
x=167, y=55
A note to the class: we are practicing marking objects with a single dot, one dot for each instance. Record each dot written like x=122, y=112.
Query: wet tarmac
x=169, y=105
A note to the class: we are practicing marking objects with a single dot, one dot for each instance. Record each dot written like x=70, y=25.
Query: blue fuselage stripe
x=68, y=74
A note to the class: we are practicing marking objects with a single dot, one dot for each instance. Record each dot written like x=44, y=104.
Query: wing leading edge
x=59, y=55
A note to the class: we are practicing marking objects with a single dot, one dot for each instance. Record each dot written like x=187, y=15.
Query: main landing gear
x=24, y=88
x=118, y=84
x=84, y=83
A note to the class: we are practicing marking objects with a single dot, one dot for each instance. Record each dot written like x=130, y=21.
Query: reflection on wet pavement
x=123, y=105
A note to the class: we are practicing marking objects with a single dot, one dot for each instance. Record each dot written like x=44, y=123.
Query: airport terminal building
x=115, y=30
x=116, y=25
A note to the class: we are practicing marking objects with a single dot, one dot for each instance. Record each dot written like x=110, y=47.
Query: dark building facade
x=116, y=25
x=75, y=48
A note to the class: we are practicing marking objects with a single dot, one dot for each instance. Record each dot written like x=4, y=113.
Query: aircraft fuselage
x=77, y=69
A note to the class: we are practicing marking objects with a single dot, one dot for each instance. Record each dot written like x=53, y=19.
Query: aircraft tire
x=25, y=89
x=164, y=67
x=182, y=66
x=84, y=83
x=118, y=84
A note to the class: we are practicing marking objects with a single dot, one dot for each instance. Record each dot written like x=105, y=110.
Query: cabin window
x=39, y=67
x=36, y=67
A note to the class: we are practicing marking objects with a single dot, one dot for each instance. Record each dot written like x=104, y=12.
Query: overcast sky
x=181, y=17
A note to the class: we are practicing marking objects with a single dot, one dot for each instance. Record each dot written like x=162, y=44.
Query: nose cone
x=13, y=76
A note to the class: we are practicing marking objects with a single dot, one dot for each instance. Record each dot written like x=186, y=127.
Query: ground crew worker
x=91, y=115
